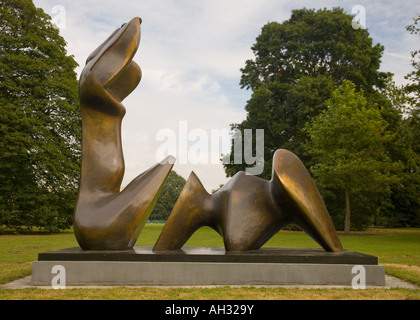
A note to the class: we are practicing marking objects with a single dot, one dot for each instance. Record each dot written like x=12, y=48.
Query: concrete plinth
x=206, y=266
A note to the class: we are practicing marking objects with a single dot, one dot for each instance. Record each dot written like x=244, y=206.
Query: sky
x=191, y=53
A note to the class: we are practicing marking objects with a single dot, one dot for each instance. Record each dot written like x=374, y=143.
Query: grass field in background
x=397, y=249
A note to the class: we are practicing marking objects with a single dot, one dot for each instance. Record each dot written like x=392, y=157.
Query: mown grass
x=216, y=293
x=18, y=251
x=397, y=249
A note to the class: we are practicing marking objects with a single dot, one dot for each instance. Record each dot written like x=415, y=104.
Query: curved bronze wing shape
x=248, y=210
x=104, y=217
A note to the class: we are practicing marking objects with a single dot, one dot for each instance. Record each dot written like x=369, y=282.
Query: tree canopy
x=40, y=126
x=405, y=196
x=313, y=43
x=347, y=142
x=297, y=65
x=413, y=87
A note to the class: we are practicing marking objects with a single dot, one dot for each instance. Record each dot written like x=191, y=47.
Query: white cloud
x=191, y=53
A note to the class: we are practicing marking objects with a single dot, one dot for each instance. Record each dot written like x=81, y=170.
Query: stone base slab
x=109, y=273
x=192, y=267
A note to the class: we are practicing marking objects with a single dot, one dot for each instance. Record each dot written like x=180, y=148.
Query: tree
x=348, y=142
x=405, y=148
x=405, y=210
x=169, y=195
x=40, y=126
x=297, y=65
x=413, y=87
x=313, y=43
x=282, y=111
x=405, y=198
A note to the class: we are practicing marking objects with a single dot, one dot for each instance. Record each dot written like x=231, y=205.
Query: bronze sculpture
x=104, y=217
x=248, y=211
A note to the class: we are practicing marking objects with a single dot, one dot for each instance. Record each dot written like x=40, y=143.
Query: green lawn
x=397, y=249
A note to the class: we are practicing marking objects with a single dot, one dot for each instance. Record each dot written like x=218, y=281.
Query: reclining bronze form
x=247, y=211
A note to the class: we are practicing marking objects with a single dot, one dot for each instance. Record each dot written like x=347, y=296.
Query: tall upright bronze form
x=248, y=210
x=104, y=217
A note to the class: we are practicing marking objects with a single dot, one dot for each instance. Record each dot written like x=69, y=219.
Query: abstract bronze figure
x=248, y=211
x=106, y=218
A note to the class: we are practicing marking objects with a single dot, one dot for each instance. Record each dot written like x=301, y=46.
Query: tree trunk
x=347, y=218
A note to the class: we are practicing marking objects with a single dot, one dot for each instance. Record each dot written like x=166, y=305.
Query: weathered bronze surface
x=248, y=210
x=106, y=218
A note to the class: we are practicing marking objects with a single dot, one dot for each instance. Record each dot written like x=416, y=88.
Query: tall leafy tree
x=39, y=121
x=297, y=65
x=405, y=195
x=312, y=43
x=405, y=148
x=413, y=89
x=347, y=140
x=414, y=76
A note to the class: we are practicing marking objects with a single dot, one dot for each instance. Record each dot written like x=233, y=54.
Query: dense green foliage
x=405, y=195
x=414, y=86
x=297, y=67
x=39, y=121
x=170, y=193
x=347, y=143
